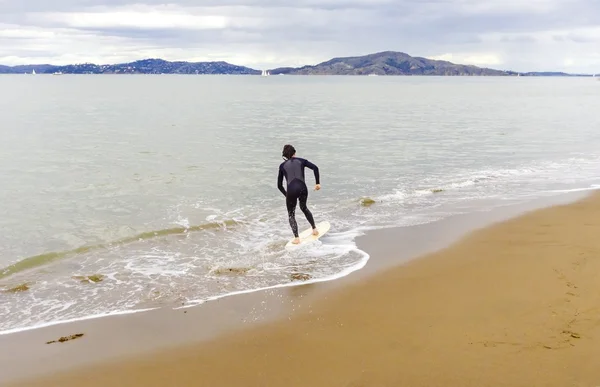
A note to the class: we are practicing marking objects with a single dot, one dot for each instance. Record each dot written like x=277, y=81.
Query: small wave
x=47, y=258
x=293, y=282
x=592, y=187
x=227, y=278
x=402, y=195
x=431, y=186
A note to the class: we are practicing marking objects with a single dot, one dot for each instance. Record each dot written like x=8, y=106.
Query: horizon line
x=292, y=67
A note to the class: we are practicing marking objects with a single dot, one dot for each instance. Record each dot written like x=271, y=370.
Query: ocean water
x=164, y=187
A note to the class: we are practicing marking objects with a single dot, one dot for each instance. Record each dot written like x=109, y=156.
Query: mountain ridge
x=379, y=63
x=143, y=66
x=400, y=63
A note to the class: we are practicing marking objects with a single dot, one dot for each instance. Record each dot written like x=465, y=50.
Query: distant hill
x=552, y=74
x=388, y=63
x=146, y=66
x=42, y=68
x=397, y=63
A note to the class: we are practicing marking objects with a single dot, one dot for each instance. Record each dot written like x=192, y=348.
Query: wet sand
x=513, y=304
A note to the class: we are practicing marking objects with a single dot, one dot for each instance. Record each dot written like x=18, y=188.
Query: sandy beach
x=514, y=304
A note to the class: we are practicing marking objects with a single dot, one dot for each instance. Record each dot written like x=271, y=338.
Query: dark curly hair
x=288, y=151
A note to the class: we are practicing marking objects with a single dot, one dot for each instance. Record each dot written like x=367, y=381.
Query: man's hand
x=317, y=187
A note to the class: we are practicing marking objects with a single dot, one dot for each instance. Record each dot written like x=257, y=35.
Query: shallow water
x=165, y=186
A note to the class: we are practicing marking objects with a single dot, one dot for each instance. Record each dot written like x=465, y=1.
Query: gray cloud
x=582, y=39
x=78, y=5
x=519, y=39
x=268, y=33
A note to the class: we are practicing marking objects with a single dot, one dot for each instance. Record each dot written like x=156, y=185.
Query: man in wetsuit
x=293, y=171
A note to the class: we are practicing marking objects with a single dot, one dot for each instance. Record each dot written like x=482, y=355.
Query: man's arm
x=315, y=169
x=280, y=182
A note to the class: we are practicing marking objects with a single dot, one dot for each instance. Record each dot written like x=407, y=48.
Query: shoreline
x=475, y=220
x=330, y=75
x=172, y=328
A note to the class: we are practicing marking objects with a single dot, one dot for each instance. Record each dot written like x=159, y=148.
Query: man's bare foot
x=296, y=241
x=315, y=231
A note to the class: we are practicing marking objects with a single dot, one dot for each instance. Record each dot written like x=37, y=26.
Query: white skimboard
x=307, y=236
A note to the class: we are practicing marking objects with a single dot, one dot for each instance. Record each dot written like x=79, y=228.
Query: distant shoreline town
x=382, y=63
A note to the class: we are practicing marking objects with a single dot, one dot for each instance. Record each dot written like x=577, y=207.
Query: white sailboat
x=33, y=72
x=265, y=73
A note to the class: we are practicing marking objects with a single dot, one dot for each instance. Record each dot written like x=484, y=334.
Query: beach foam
x=205, y=263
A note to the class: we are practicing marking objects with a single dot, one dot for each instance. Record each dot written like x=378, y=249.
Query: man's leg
x=290, y=202
x=306, y=211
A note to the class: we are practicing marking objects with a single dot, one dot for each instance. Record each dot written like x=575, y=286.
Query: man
x=293, y=171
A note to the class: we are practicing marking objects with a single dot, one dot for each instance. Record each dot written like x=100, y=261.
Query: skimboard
x=307, y=236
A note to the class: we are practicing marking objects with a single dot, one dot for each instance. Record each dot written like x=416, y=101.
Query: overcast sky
x=519, y=35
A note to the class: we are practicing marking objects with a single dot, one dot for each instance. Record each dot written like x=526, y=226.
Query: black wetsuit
x=293, y=171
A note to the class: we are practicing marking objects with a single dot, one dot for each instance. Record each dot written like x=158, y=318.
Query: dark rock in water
x=366, y=202
x=90, y=278
x=18, y=289
x=300, y=277
x=66, y=338
x=232, y=270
